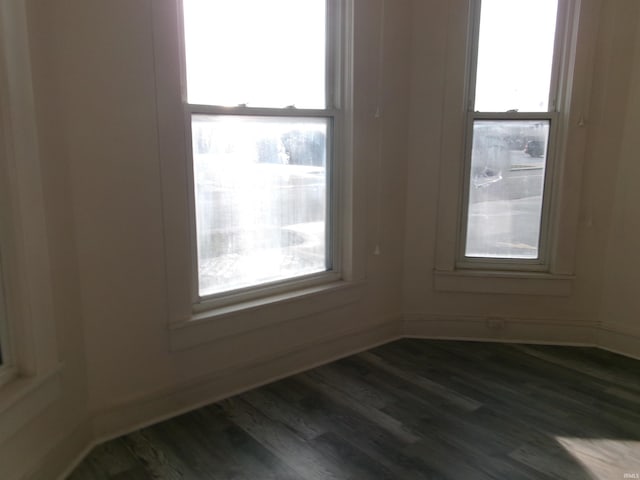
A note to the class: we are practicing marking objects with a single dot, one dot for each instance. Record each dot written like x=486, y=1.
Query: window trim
x=332, y=112
x=7, y=368
x=275, y=287
x=577, y=65
x=25, y=260
x=332, y=226
x=184, y=312
x=32, y=377
x=541, y=263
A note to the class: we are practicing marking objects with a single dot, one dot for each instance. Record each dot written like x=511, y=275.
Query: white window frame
x=192, y=319
x=541, y=263
x=553, y=273
x=7, y=369
x=333, y=113
x=31, y=376
x=23, y=236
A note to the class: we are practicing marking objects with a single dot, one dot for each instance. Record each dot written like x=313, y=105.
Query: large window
x=261, y=109
x=4, y=336
x=28, y=353
x=511, y=133
x=7, y=366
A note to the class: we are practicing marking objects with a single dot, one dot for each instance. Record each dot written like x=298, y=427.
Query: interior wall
x=101, y=121
x=94, y=82
x=620, y=309
x=543, y=318
x=55, y=412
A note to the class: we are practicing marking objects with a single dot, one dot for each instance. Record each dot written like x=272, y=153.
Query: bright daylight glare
x=623, y=454
x=515, y=55
x=260, y=182
x=260, y=199
x=255, y=52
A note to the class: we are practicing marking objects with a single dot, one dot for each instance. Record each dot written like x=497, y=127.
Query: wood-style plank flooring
x=412, y=409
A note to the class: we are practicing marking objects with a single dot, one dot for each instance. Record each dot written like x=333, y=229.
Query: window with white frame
x=261, y=103
x=512, y=130
x=4, y=344
x=28, y=358
x=7, y=370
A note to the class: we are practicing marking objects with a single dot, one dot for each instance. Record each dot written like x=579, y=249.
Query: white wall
x=52, y=410
x=619, y=315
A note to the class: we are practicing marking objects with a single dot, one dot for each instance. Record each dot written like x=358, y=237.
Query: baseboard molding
x=160, y=406
x=24, y=398
x=143, y=412
x=616, y=339
x=68, y=451
x=511, y=329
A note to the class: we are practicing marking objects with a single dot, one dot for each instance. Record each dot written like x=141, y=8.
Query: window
x=261, y=103
x=30, y=371
x=7, y=367
x=512, y=145
x=512, y=128
x=6, y=372
x=255, y=118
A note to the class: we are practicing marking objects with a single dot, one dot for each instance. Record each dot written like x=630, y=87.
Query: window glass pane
x=515, y=55
x=260, y=190
x=256, y=52
x=508, y=163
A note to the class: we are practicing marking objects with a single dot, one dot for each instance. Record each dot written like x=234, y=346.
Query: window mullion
x=333, y=40
x=473, y=54
x=512, y=115
x=550, y=176
x=559, y=49
x=253, y=111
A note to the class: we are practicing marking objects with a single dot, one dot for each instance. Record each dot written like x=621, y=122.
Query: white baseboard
x=513, y=330
x=160, y=406
x=68, y=451
x=143, y=412
x=618, y=339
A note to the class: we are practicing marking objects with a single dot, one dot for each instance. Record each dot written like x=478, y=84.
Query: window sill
x=499, y=282
x=242, y=317
x=24, y=398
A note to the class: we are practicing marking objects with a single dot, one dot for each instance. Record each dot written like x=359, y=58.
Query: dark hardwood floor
x=412, y=409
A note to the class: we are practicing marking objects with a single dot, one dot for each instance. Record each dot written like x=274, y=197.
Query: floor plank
x=408, y=410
